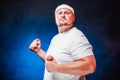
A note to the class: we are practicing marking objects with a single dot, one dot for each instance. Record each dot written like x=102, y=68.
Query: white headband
x=64, y=6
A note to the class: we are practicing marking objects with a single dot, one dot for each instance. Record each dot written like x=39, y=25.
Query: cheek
x=57, y=20
x=56, y=17
x=71, y=19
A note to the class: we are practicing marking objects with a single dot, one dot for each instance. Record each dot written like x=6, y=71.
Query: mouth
x=63, y=19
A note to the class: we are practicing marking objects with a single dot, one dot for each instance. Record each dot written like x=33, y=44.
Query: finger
x=35, y=44
x=37, y=41
x=31, y=48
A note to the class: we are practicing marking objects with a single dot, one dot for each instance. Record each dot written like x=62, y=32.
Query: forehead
x=63, y=10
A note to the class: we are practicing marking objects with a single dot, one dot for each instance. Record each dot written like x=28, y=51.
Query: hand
x=51, y=64
x=35, y=45
x=49, y=58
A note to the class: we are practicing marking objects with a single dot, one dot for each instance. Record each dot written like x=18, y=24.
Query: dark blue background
x=21, y=21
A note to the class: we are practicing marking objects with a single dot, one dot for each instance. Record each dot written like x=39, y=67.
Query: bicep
x=88, y=61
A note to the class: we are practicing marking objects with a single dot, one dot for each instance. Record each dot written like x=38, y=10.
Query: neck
x=62, y=29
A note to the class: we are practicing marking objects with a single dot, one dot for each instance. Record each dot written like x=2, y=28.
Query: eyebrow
x=64, y=11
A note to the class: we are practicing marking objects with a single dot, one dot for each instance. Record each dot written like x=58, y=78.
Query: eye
x=67, y=12
x=59, y=12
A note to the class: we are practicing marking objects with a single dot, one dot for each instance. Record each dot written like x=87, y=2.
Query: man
x=70, y=55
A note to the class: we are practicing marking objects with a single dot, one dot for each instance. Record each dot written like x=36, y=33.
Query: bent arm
x=35, y=46
x=81, y=66
x=41, y=53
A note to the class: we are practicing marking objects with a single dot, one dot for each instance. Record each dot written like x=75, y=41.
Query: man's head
x=64, y=16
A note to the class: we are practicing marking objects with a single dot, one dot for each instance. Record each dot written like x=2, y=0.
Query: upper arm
x=88, y=61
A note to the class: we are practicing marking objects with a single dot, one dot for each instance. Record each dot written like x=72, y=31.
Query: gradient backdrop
x=21, y=21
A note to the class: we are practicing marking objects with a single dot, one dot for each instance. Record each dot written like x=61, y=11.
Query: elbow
x=92, y=69
x=93, y=66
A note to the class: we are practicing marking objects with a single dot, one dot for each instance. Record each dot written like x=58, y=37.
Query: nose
x=63, y=15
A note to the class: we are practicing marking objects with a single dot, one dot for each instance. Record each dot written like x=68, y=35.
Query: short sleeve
x=81, y=47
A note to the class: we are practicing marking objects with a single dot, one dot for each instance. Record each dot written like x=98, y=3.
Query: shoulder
x=79, y=36
x=77, y=33
x=54, y=37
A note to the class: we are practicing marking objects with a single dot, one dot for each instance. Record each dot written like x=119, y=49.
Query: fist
x=49, y=58
x=35, y=45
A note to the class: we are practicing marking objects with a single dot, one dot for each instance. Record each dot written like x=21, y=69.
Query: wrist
x=39, y=51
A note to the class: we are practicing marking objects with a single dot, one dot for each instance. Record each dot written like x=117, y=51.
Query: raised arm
x=35, y=46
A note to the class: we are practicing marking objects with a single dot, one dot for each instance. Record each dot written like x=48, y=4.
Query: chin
x=64, y=24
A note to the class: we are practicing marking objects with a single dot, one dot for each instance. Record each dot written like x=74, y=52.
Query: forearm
x=81, y=67
x=41, y=53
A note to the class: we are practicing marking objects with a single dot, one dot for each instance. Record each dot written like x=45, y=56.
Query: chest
x=60, y=49
x=62, y=43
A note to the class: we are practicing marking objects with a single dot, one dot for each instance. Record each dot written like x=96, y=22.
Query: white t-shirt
x=67, y=47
